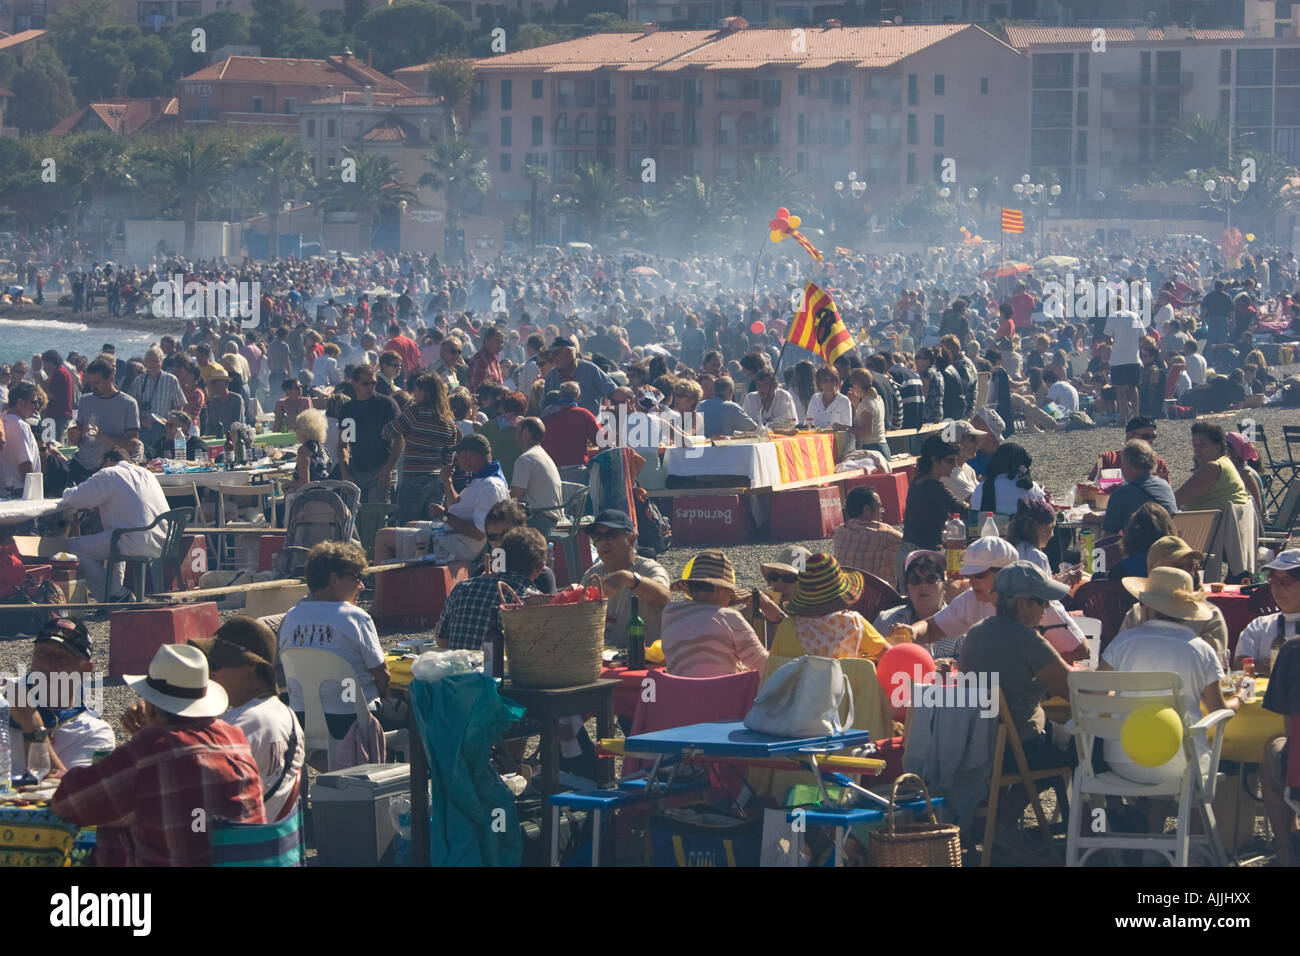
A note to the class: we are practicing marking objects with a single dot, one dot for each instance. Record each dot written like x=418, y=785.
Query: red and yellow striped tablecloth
x=805, y=456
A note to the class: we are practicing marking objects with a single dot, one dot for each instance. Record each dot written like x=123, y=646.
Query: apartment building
x=266, y=92
x=1098, y=118
x=889, y=103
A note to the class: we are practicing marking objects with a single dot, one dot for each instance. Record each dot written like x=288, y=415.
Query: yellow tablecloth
x=805, y=456
x=1245, y=734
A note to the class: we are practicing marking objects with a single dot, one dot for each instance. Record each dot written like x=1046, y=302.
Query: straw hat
x=709, y=567
x=1165, y=551
x=1169, y=591
x=825, y=587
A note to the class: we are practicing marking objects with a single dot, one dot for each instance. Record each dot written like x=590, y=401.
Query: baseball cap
x=69, y=632
x=1022, y=579
x=965, y=429
x=615, y=519
x=985, y=553
x=1288, y=560
x=992, y=420
x=475, y=443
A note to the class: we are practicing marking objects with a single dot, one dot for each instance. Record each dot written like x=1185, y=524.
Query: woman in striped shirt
x=424, y=434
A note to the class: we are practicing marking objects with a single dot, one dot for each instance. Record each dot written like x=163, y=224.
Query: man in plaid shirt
x=472, y=609
x=864, y=542
x=154, y=797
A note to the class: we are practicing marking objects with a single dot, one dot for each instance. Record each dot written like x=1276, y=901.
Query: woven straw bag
x=915, y=844
x=553, y=645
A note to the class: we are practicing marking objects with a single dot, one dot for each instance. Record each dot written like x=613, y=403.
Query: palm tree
x=278, y=163
x=452, y=80
x=378, y=187
x=537, y=177
x=189, y=170
x=696, y=209
x=762, y=186
x=593, y=195
x=1197, y=142
x=1274, y=191
x=457, y=167
x=643, y=218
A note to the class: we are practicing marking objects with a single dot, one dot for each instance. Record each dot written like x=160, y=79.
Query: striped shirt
x=430, y=440
x=704, y=640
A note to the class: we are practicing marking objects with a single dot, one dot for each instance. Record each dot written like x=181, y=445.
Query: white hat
x=985, y=553
x=993, y=420
x=1285, y=561
x=178, y=683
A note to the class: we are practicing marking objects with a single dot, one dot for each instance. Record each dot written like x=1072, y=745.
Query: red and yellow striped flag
x=1013, y=220
x=818, y=326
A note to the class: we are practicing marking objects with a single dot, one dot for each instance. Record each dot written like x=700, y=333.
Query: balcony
x=575, y=100
x=771, y=100
x=1165, y=79
x=605, y=138
x=839, y=137
x=1062, y=119
x=671, y=137
x=771, y=137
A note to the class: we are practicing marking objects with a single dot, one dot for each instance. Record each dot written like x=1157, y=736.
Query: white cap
x=985, y=553
x=993, y=420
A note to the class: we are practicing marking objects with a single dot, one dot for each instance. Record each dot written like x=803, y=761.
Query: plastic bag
x=577, y=594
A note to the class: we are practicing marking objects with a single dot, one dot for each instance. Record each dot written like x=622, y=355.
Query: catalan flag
x=1013, y=220
x=818, y=326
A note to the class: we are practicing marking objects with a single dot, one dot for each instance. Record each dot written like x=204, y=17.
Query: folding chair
x=1285, y=517
x=1100, y=703
x=175, y=522
x=1008, y=737
x=1091, y=628
x=565, y=533
x=1197, y=528
x=229, y=499
x=1282, y=469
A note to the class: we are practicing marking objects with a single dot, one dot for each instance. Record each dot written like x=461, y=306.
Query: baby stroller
x=318, y=511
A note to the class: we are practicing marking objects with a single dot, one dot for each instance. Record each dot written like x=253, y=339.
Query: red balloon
x=782, y=213
x=901, y=665
x=774, y=224
x=782, y=223
x=757, y=327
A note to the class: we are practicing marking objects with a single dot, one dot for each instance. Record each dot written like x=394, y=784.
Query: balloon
x=1250, y=237
x=757, y=327
x=783, y=213
x=898, y=667
x=776, y=235
x=1152, y=735
x=795, y=221
x=783, y=223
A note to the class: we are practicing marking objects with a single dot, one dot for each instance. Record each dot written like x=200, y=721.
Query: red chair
x=1108, y=602
x=877, y=595
x=678, y=701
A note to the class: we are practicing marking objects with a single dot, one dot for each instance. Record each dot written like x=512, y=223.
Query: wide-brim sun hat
x=786, y=560
x=708, y=567
x=825, y=587
x=1170, y=591
x=178, y=683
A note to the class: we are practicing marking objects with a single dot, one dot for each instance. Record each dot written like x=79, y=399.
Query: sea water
x=21, y=338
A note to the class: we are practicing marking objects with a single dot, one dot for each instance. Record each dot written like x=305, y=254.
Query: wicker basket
x=916, y=844
x=553, y=645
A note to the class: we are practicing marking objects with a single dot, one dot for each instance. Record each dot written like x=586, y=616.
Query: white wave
x=48, y=324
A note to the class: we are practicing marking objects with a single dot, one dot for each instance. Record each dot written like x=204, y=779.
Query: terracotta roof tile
x=358, y=98
x=18, y=39
x=1022, y=37
x=391, y=130
x=258, y=69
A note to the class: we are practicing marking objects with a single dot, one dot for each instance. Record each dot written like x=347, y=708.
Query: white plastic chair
x=310, y=667
x=1099, y=703
x=1091, y=628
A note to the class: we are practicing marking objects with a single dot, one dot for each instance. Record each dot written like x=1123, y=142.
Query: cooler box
x=805, y=514
x=710, y=519
x=353, y=816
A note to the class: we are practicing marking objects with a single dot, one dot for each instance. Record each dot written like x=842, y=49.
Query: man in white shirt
x=1264, y=635
x=241, y=658
x=127, y=496
x=467, y=510
x=1062, y=393
x=54, y=711
x=536, y=480
x=1126, y=329
x=19, y=454
x=1196, y=365
x=769, y=405
x=1164, y=312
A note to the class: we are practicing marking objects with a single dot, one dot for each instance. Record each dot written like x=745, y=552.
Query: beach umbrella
x=643, y=271
x=1056, y=262
x=1006, y=269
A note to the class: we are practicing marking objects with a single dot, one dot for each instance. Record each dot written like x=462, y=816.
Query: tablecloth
x=210, y=479
x=1245, y=734
x=34, y=835
x=765, y=463
x=1236, y=611
x=19, y=510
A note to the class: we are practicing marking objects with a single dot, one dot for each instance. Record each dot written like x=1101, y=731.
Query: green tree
x=285, y=28
x=458, y=168
x=354, y=11
x=593, y=196
x=279, y=166
x=188, y=171
x=20, y=181
x=221, y=28
x=378, y=187
x=77, y=22
x=643, y=218
x=42, y=93
x=453, y=80
x=1196, y=142
x=537, y=177
x=700, y=211
x=761, y=186
x=410, y=32
x=1273, y=192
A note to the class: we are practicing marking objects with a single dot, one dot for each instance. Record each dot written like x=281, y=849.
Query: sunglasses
x=1148, y=437
x=700, y=587
x=772, y=577
x=369, y=383
x=927, y=579
x=605, y=535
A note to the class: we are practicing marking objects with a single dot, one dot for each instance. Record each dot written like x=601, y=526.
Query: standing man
x=106, y=419
x=361, y=443
x=536, y=480
x=157, y=394
x=224, y=407
x=1216, y=307
x=484, y=366
x=405, y=347
x=1126, y=329
x=61, y=390
x=1023, y=305
x=19, y=453
x=592, y=382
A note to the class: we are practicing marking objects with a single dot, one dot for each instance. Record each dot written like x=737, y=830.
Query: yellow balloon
x=794, y=222
x=776, y=235
x=1152, y=735
x=1250, y=237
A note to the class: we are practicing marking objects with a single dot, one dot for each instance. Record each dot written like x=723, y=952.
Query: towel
x=360, y=745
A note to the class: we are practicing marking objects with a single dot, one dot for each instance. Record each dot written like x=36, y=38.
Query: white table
x=19, y=510
x=210, y=479
x=755, y=460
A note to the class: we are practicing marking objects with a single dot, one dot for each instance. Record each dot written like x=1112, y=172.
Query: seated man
x=185, y=758
x=178, y=423
x=472, y=611
x=1140, y=426
x=865, y=542
x=622, y=574
x=1263, y=638
x=1028, y=667
x=465, y=511
x=1279, y=771
x=287, y=408
x=331, y=620
x=53, y=712
x=224, y=407
x=721, y=415
x=127, y=496
x=1137, y=462
x=536, y=480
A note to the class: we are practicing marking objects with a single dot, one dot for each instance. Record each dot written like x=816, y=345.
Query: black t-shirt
x=1216, y=306
x=368, y=449
x=929, y=505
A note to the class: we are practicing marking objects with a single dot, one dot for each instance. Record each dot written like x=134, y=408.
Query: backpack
x=654, y=531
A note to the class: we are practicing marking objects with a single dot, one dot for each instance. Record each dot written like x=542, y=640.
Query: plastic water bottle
x=1087, y=550
x=990, y=529
x=179, y=446
x=6, y=759
x=402, y=842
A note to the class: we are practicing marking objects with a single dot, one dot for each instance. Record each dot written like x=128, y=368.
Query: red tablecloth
x=1236, y=612
x=628, y=692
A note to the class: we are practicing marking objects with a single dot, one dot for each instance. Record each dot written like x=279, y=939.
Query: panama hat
x=178, y=683
x=1169, y=591
x=708, y=567
x=825, y=587
x=786, y=560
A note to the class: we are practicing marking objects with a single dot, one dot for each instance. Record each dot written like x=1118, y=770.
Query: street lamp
x=1226, y=190
x=1037, y=194
x=954, y=196
x=852, y=190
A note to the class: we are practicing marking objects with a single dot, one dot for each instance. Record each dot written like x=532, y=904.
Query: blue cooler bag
x=701, y=835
